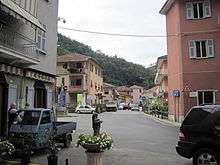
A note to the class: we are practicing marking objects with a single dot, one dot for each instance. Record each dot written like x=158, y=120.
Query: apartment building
x=110, y=93
x=28, y=43
x=124, y=94
x=136, y=93
x=82, y=77
x=161, y=78
x=193, y=29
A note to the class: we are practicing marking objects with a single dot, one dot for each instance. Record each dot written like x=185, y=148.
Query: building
x=161, y=78
x=110, y=93
x=82, y=77
x=28, y=48
x=136, y=93
x=151, y=93
x=193, y=55
x=124, y=94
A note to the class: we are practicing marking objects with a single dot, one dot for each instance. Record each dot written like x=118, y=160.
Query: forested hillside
x=116, y=70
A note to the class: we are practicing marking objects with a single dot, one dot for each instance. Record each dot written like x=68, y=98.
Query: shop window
x=78, y=82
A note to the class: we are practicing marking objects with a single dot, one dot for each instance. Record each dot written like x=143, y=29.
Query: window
x=63, y=81
x=198, y=10
x=41, y=40
x=206, y=97
x=45, y=118
x=196, y=116
x=106, y=92
x=201, y=49
x=91, y=84
x=79, y=65
x=65, y=66
x=72, y=82
x=78, y=82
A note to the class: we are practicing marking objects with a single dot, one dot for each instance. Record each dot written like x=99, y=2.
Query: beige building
x=110, y=93
x=82, y=77
x=28, y=48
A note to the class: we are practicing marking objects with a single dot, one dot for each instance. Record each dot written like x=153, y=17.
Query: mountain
x=116, y=71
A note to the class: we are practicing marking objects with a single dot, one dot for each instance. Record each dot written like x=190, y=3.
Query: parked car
x=135, y=107
x=111, y=106
x=199, y=136
x=84, y=109
x=36, y=128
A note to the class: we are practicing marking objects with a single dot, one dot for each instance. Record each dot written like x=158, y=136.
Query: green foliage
x=116, y=70
x=158, y=103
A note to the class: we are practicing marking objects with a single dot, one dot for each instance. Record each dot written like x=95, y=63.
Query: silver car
x=84, y=109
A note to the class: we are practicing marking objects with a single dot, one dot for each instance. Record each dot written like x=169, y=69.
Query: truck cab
x=38, y=126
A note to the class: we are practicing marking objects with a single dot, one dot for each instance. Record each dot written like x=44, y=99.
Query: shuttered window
x=198, y=10
x=201, y=49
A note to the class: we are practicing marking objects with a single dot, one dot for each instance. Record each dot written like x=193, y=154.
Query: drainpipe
x=22, y=89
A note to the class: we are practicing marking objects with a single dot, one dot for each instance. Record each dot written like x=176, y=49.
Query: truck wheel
x=67, y=141
x=206, y=156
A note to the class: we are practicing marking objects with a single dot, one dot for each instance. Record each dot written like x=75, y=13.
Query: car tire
x=92, y=112
x=207, y=155
x=78, y=112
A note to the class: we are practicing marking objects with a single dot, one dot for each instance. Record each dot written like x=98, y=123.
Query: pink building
x=193, y=29
x=136, y=93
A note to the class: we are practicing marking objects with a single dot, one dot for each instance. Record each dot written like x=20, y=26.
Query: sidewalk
x=163, y=121
x=13, y=163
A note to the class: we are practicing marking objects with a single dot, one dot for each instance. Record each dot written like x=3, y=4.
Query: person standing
x=13, y=114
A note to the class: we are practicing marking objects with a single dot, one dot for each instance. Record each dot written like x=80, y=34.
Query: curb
x=163, y=121
x=16, y=162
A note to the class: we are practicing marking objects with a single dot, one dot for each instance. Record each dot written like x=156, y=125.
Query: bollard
x=67, y=161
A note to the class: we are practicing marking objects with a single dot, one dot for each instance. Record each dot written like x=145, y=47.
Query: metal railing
x=18, y=43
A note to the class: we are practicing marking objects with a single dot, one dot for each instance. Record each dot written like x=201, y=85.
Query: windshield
x=30, y=117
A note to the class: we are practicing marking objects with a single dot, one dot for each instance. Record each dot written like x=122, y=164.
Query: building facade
x=110, y=93
x=136, y=93
x=82, y=77
x=28, y=48
x=124, y=94
x=193, y=55
x=161, y=78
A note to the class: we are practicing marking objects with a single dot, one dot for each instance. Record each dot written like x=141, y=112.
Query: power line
x=115, y=34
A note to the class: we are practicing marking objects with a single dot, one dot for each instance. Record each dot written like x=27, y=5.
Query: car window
x=81, y=106
x=87, y=107
x=30, y=118
x=195, y=116
x=45, y=118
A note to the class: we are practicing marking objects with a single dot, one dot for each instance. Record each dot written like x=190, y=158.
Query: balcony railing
x=73, y=89
x=18, y=43
x=76, y=70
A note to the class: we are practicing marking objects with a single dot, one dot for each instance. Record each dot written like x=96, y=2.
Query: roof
x=160, y=59
x=123, y=88
x=136, y=87
x=168, y=4
x=73, y=57
x=18, y=12
x=107, y=85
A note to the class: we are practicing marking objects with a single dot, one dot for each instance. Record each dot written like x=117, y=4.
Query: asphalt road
x=138, y=140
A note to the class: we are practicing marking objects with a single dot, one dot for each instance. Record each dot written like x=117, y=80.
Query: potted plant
x=6, y=148
x=98, y=143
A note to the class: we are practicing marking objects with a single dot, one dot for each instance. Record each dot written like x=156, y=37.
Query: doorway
x=40, y=98
x=3, y=105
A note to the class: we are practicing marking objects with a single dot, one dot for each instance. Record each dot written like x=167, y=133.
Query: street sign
x=193, y=94
x=176, y=93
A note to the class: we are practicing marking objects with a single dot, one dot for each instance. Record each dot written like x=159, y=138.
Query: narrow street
x=138, y=140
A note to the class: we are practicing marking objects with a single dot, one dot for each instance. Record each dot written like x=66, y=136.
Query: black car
x=199, y=136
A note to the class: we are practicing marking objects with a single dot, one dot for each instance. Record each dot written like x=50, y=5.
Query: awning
x=16, y=11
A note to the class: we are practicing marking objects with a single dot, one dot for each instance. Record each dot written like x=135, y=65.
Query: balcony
x=77, y=89
x=76, y=71
x=17, y=49
x=161, y=74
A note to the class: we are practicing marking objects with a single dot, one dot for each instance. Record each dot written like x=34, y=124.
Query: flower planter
x=94, y=158
x=95, y=148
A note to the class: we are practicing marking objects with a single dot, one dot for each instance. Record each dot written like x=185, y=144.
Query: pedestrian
x=13, y=114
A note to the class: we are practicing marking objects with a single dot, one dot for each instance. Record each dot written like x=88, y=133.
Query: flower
x=6, y=147
x=104, y=141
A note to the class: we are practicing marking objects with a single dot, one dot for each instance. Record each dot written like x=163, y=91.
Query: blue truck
x=38, y=126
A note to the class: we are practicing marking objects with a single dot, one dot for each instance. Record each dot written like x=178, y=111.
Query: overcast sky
x=117, y=16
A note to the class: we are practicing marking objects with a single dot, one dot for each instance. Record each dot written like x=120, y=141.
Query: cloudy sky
x=117, y=16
